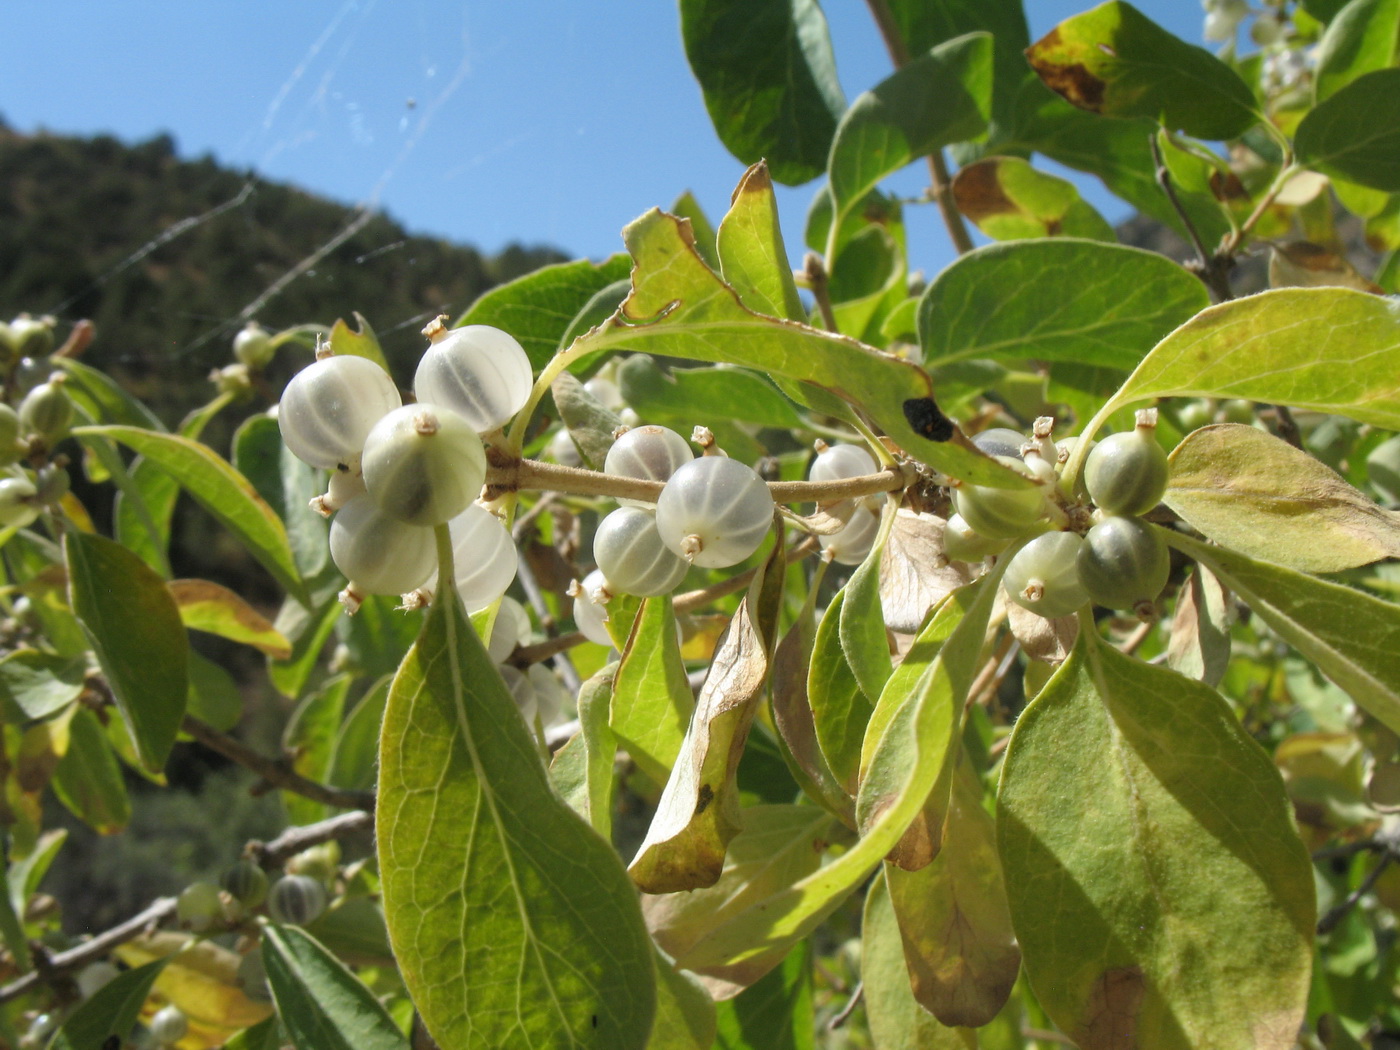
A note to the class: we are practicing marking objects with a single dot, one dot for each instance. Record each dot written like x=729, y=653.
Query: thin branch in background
x=845, y=1015
x=535, y=595
x=1212, y=268
x=819, y=284
x=296, y=839
x=1335, y=915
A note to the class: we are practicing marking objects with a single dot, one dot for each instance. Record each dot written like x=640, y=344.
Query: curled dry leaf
x=1302, y=264
x=1256, y=494
x=1046, y=640
x=915, y=573
x=1199, y=646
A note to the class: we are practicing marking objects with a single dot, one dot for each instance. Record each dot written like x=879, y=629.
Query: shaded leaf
x=1008, y=199
x=1199, y=646
x=103, y=398
x=1048, y=641
x=357, y=743
x=1353, y=638
x=289, y=677
x=1141, y=828
x=752, y=257
x=214, y=695
x=1355, y=134
x=775, y=1014
x=1331, y=349
x=287, y=485
x=582, y=770
x=539, y=307
x=35, y=684
x=685, y=1014
x=1259, y=495
x=940, y=97
x=915, y=574
x=320, y=1002
x=698, y=812
x=953, y=917
x=201, y=978
x=897, y=1021
x=1057, y=300
x=862, y=622
x=651, y=700
x=135, y=631
x=88, y=780
x=208, y=606
x=512, y=921
x=111, y=1012
x=220, y=490
x=590, y=423
x=769, y=80
x=1113, y=60
x=1302, y=264
x=703, y=395
x=678, y=307
x=840, y=708
x=309, y=738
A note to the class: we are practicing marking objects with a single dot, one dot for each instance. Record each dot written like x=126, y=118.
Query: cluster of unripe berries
x=1223, y=18
x=30, y=431
x=1119, y=561
x=398, y=470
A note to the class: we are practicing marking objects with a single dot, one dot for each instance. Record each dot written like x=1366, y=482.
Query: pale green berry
x=253, y=348
x=296, y=900
x=961, y=543
x=198, y=907
x=1127, y=473
x=630, y=553
x=1042, y=576
x=169, y=1025
x=19, y=505
x=1002, y=514
x=47, y=411
x=423, y=464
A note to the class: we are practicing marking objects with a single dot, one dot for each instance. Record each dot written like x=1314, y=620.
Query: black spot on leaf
x=928, y=419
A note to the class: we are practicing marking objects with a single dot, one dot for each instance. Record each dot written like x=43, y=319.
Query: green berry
x=961, y=543
x=19, y=505
x=199, y=906
x=423, y=464
x=46, y=411
x=1124, y=564
x=1001, y=514
x=296, y=900
x=253, y=347
x=1043, y=578
x=31, y=337
x=1127, y=473
x=246, y=883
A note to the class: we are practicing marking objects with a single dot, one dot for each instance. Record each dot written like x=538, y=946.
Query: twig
x=292, y=841
x=1215, y=267
x=819, y=283
x=274, y=771
x=696, y=599
x=1047, y=1035
x=841, y=1018
x=1329, y=922
x=531, y=586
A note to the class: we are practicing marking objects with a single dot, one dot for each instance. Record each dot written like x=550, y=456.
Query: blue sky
x=486, y=121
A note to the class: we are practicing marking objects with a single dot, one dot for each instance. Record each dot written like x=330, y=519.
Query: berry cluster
x=1118, y=561
x=31, y=478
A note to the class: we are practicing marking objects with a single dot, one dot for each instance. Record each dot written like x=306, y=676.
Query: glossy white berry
x=651, y=453
x=296, y=900
x=605, y=392
x=837, y=462
x=512, y=628
x=423, y=464
x=590, y=608
x=481, y=373
x=562, y=450
x=484, y=558
x=1000, y=441
x=331, y=405
x=1124, y=564
x=961, y=543
x=853, y=543
x=380, y=554
x=630, y=553
x=550, y=695
x=1127, y=473
x=714, y=511
x=18, y=503
x=169, y=1025
x=1001, y=514
x=1042, y=576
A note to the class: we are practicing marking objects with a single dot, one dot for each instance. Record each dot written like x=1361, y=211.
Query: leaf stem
x=1214, y=267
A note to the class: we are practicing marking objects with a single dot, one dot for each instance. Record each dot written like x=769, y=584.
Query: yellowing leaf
x=201, y=979
x=207, y=606
x=1259, y=495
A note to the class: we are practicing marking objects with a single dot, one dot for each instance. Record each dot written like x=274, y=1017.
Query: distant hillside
x=210, y=241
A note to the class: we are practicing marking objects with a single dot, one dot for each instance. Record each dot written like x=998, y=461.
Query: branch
x=1215, y=268
x=274, y=771
x=292, y=841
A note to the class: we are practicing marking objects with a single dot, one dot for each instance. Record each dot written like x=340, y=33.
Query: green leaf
x=220, y=490
x=1115, y=61
x=941, y=97
x=103, y=398
x=24, y=875
x=513, y=923
x=840, y=708
x=1330, y=349
x=753, y=260
x=36, y=684
x=88, y=780
x=322, y=1005
x=685, y=1014
x=652, y=700
x=539, y=307
x=769, y=79
x=908, y=763
x=354, y=932
x=953, y=916
x=287, y=485
x=862, y=621
x=211, y=607
x=215, y=696
x=12, y=932
x=1259, y=495
x=698, y=813
x=1056, y=300
x=1353, y=638
x=1141, y=830
x=357, y=342
x=1199, y=647
x=897, y=1021
x=135, y=630
x=110, y=1013
x=357, y=743
x=309, y=738
x=582, y=770
x=702, y=230
x=1361, y=39
x=775, y=1014
x=678, y=307
x=720, y=393
x=590, y=423
x=1355, y=134
x=265, y=1035
x=289, y=677
x=1009, y=200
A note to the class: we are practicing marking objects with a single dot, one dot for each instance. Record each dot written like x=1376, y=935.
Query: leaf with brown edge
x=953, y=917
x=1009, y=199
x=1254, y=493
x=698, y=813
x=1302, y=264
x=751, y=253
x=915, y=574
x=207, y=606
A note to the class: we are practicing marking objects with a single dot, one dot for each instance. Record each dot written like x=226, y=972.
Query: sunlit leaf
x=208, y=606
x=135, y=630
x=685, y=1013
x=914, y=573
x=862, y=621
x=1057, y=300
x=1115, y=61
x=359, y=341
x=840, y=709
x=1330, y=349
x=1355, y=134
x=320, y=1002
x=709, y=394
x=1008, y=199
x=1142, y=829
x=36, y=684
x=1352, y=637
x=752, y=257
x=221, y=490
x=88, y=780
x=769, y=80
x=1257, y=494
x=651, y=696
x=582, y=770
x=513, y=923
